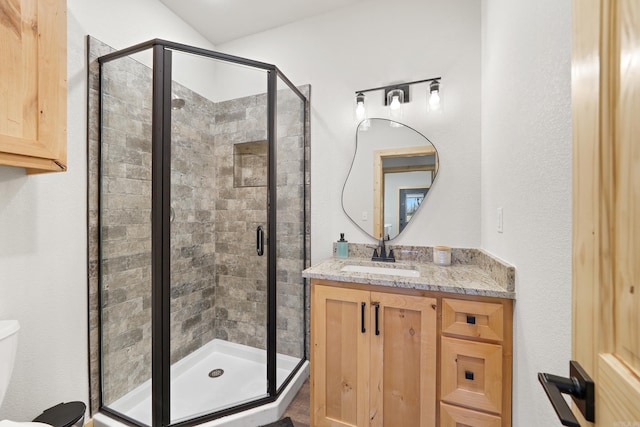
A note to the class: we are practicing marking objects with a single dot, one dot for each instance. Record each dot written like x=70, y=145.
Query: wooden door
x=403, y=360
x=340, y=356
x=606, y=205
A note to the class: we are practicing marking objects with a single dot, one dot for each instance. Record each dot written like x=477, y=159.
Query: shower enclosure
x=202, y=234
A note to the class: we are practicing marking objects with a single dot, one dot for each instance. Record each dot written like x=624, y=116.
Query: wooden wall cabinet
x=372, y=372
x=33, y=84
x=432, y=360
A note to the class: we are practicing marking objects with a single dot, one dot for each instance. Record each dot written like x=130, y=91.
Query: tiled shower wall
x=241, y=275
x=218, y=281
x=193, y=252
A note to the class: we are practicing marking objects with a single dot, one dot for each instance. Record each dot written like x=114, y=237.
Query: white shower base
x=194, y=393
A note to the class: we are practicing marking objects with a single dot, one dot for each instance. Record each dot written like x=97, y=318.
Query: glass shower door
x=290, y=223
x=218, y=228
x=125, y=261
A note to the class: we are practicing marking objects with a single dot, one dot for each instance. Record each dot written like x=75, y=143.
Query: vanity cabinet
x=33, y=84
x=373, y=357
x=434, y=358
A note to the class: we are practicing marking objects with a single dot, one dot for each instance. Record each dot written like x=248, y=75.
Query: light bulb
x=395, y=98
x=434, y=100
x=360, y=111
x=395, y=102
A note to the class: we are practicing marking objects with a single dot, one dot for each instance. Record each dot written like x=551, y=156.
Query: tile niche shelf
x=250, y=164
x=33, y=78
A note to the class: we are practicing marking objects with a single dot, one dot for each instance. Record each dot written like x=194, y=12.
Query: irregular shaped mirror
x=393, y=168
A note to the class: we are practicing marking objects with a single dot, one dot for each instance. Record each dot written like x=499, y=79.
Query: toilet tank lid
x=8, y=328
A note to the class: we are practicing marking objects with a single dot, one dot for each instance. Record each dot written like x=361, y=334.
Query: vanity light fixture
x=397, y=94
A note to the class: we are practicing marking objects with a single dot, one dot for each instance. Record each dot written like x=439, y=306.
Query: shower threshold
x=219, y=375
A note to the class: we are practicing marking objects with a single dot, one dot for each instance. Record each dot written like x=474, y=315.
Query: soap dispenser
x=342, y=247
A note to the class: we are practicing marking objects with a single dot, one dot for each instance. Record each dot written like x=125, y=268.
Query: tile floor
x=298, y=410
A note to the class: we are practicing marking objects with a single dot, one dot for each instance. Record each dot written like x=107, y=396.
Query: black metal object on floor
x=285, y=422
x=63, y=415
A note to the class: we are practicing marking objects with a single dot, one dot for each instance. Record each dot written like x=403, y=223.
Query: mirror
x=393, y=168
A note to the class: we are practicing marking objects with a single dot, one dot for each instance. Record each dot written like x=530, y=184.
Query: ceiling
x=221, y=21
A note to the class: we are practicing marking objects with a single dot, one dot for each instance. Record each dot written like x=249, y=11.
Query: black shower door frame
x=160, y=223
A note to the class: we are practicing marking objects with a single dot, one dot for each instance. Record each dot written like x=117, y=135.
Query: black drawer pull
x=362, y=306
x=471, y=320
x=377, y=306
x=468, y=375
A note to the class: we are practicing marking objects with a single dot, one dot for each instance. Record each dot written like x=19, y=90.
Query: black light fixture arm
x=399, y=84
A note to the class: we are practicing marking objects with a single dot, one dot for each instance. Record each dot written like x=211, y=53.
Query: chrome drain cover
x=216, y=373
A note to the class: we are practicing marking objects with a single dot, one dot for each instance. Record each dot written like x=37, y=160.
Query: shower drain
x=216, y=373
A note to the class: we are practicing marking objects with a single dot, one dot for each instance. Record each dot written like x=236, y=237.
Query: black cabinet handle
x=471, y=320
x=260, y=240
x=579, y=386
x=377, y=306
x=468, y=375
x=362, y=306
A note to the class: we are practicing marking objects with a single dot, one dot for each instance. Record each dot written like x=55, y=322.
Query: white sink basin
x=380, y=270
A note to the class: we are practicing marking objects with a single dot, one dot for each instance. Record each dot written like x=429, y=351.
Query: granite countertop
x=458, y=278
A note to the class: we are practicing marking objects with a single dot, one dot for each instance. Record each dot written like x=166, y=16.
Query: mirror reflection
x=393, y=168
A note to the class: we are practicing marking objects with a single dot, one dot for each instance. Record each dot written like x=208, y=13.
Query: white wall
x=526, y=170
x=124, y=23
x=358, y=48
x=43, y=273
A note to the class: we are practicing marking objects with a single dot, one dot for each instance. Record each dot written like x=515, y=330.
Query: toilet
x=62, y=415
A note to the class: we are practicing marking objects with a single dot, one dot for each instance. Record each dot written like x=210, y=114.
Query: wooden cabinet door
x=340, y=356
x=403, y=360
x=33, y=84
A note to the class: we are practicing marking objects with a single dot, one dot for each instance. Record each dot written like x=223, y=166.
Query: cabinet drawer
x=452, y=416
x=472, y=374
x=472, y=319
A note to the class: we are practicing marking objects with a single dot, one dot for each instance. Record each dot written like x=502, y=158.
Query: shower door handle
x=260, y=241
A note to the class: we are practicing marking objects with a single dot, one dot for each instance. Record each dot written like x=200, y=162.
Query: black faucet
x=383, y=256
